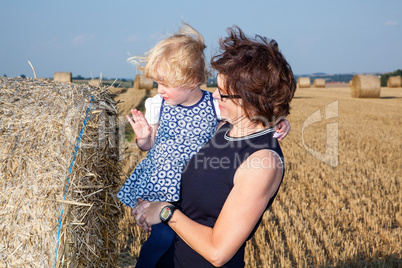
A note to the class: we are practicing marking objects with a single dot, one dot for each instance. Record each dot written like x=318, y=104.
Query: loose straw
x=33, y=69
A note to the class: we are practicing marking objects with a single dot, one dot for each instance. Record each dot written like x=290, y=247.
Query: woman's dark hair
x=256, y=70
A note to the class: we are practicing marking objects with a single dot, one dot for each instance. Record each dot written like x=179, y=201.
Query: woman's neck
x=244, y=127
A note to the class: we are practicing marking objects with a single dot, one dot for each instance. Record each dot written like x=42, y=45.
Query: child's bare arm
x=282, y=129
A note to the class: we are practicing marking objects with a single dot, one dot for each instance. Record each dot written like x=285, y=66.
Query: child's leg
x=157, y=244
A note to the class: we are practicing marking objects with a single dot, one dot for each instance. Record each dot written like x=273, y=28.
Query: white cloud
x=82, y=39
x=390, y=23
x=132, y=38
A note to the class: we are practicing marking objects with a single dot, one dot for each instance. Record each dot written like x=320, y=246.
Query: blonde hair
x=177, y=61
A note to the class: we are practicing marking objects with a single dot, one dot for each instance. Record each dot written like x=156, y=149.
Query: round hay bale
x=63, y=77
x=116, y=90
x=319, y=82
x=131, y=98
x=394, y=81
x=59, y=173
x=141, y=82
x=95, y=83
x=303, y=82
x=366, y=86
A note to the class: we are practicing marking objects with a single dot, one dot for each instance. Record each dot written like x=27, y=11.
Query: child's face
x=176, y=95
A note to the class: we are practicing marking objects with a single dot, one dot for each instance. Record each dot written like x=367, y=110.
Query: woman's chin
x=225, y=118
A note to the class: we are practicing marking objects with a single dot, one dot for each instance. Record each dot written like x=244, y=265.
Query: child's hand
x=137, y=213
x=282, y=129
x=140, y=125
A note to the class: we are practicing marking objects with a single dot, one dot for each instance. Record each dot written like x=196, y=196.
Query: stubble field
x=340, y=201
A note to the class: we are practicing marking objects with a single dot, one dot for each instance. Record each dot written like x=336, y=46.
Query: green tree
x=78, y=77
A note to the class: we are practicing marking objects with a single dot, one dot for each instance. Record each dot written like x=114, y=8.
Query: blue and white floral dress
x=181, y=133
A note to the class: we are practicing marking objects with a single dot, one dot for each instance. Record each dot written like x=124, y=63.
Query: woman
x=234, y=178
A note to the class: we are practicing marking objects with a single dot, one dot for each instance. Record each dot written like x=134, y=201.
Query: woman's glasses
x=223, y=96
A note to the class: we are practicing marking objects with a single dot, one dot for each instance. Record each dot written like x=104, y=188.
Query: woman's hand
x=147, y=213
x=282, y=129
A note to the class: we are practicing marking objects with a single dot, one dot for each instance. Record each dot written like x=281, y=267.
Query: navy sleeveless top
x=207, y=180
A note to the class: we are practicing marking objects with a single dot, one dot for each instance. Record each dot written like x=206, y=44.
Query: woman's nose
x=216, y=94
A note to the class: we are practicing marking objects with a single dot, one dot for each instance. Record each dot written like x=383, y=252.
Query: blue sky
x=90, y=38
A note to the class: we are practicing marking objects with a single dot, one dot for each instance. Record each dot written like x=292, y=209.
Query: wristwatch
x=167, y=213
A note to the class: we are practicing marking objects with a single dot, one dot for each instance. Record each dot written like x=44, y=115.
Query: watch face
x=165, y=213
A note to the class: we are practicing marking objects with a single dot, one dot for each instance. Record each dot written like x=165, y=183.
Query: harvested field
x=327, y=216
x=348, y=215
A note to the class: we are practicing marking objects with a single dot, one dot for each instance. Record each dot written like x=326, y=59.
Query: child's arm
x=145, y=133
x=282, y=129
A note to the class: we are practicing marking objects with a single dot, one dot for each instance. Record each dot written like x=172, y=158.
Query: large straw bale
x=63, y=77
x=319, y=82
x=141, y=82
x=303, y=82
x=59, y=174
x=394, y=81
x=365, y=86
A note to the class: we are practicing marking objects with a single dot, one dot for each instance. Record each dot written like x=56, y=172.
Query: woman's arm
x=255, y=182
